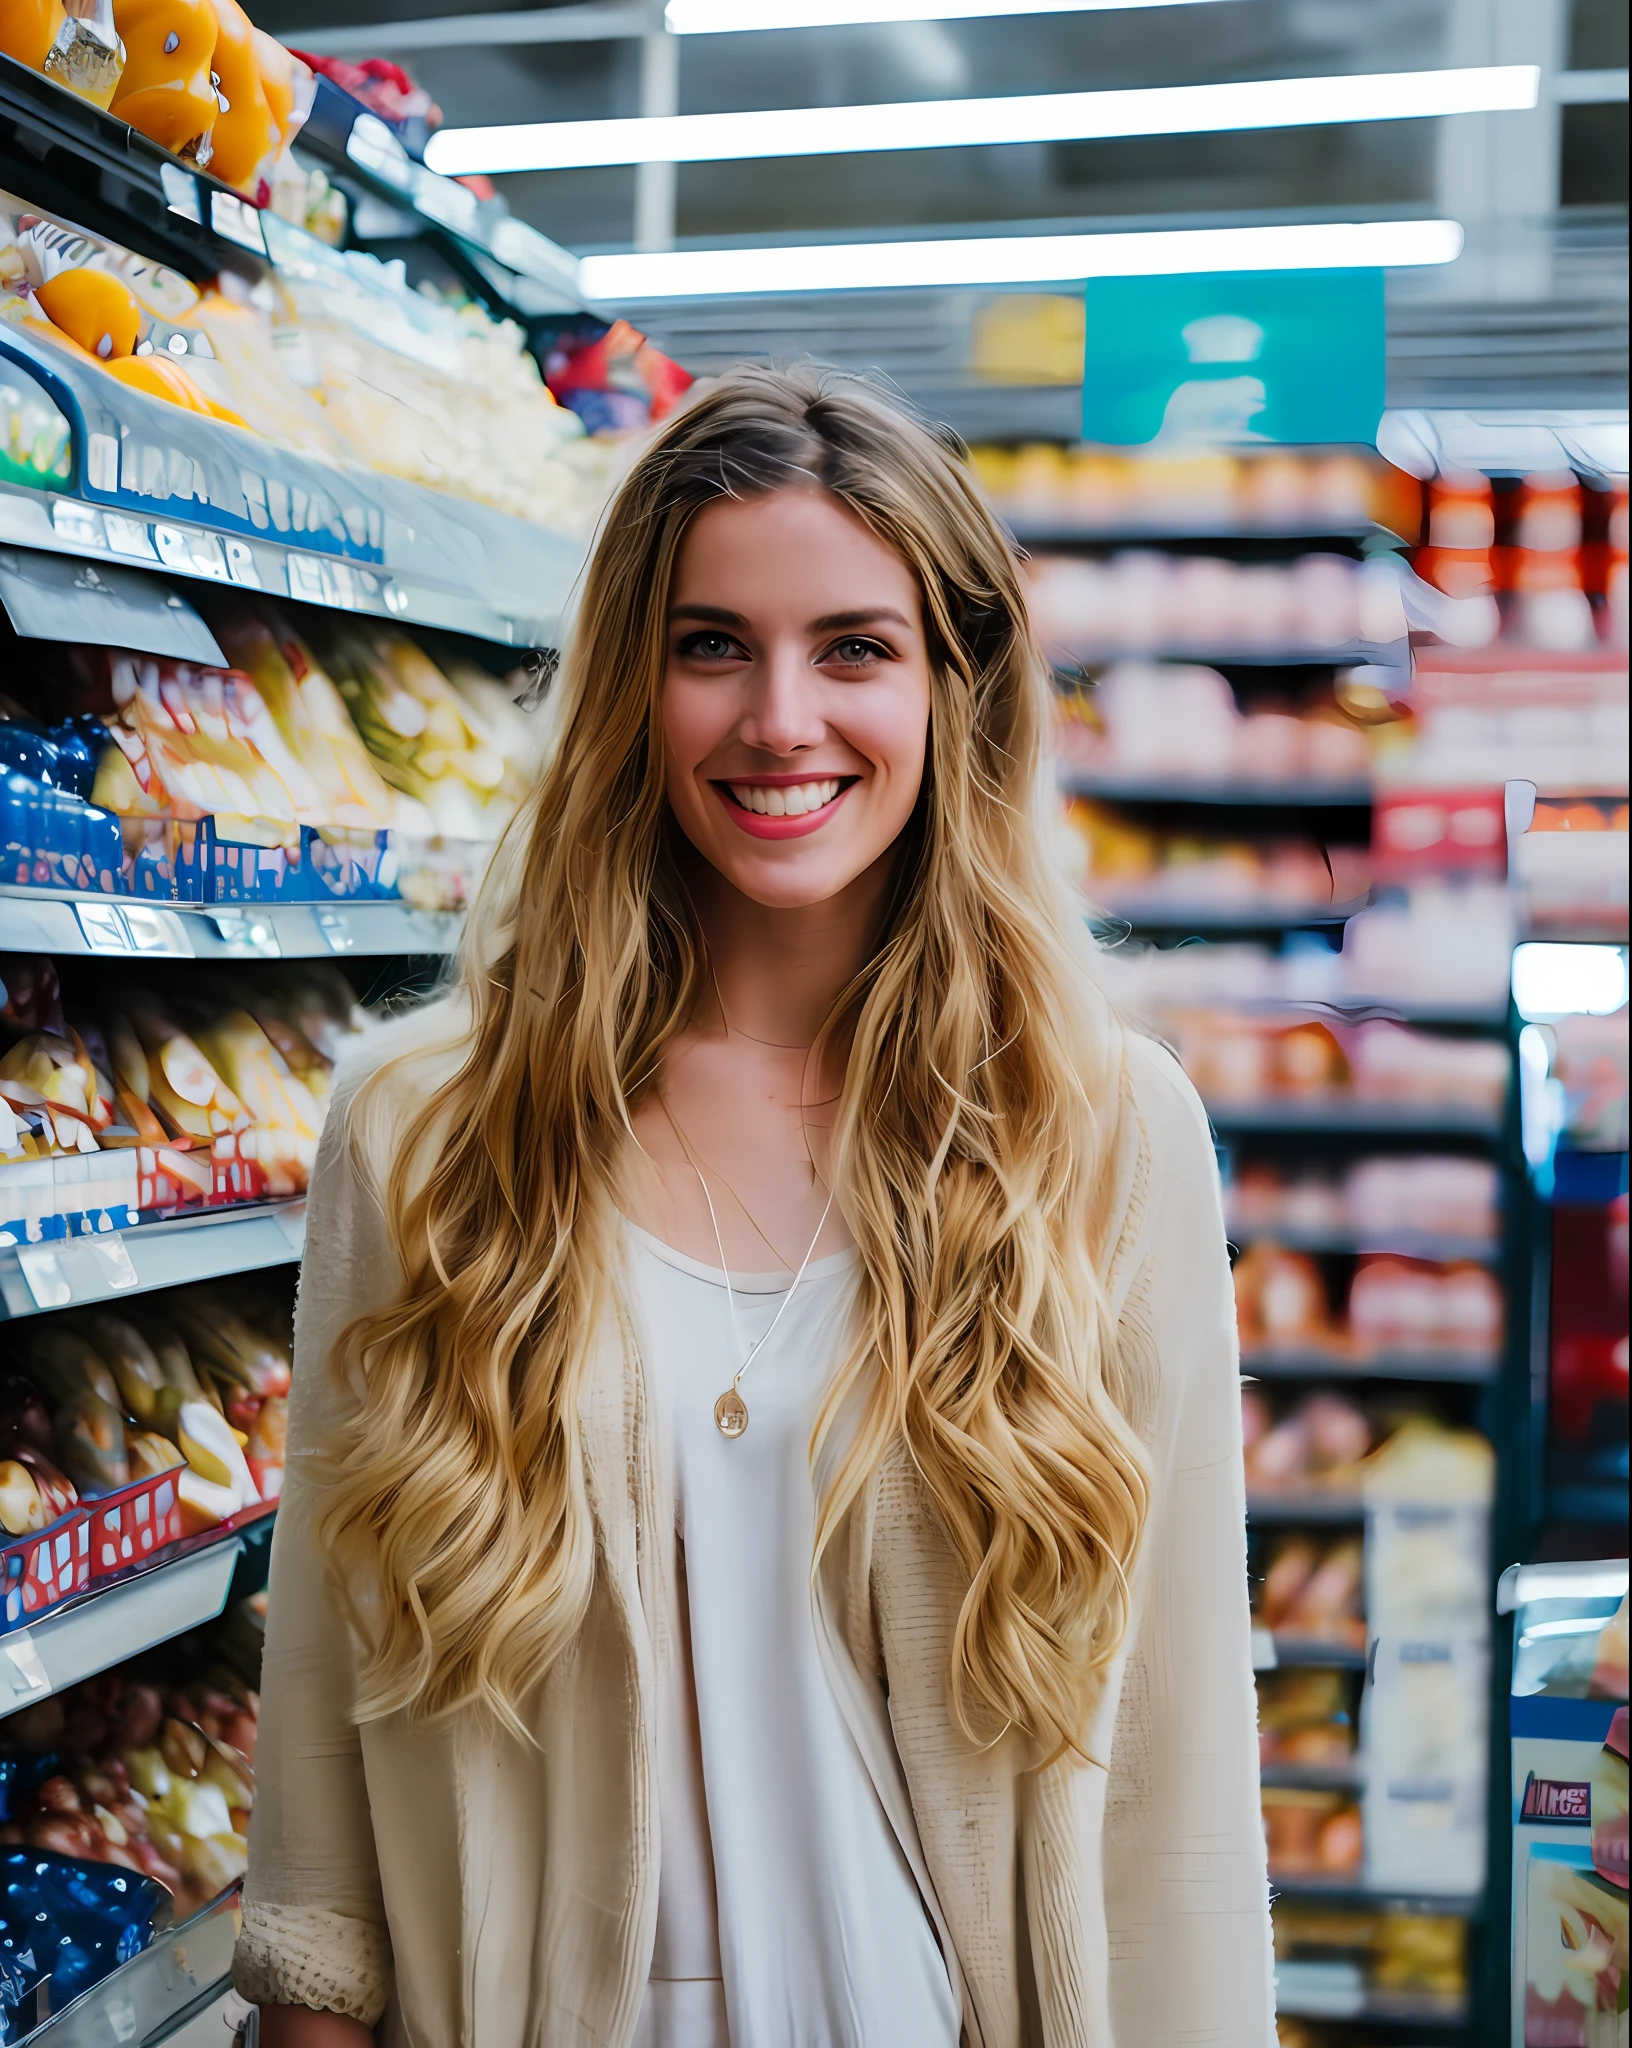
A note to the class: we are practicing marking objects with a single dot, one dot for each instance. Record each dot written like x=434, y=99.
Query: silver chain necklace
x=731, y=1410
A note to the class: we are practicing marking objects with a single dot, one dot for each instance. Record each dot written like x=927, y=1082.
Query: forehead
x=802, y=552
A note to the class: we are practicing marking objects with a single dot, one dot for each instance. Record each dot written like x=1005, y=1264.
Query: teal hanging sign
x=1234, y=359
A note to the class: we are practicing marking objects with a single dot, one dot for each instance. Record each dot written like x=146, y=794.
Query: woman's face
x=795, y=695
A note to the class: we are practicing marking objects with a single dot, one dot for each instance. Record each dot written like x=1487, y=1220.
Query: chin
x=789, y=884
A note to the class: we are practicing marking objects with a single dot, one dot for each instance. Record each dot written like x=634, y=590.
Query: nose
x=784, y=712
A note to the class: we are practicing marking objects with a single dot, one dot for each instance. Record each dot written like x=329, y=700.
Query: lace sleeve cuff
x=298, y=1955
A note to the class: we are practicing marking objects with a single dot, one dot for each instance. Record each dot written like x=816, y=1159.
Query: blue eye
x=708, y=646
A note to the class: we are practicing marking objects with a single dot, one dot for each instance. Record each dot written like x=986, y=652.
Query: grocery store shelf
x=104, y=1628
x=1342, y=1116
x=364, y=151
x=69, y=1272
x=1347, y=1777
x=1403, y=1244
x=179, y=1978
x=63, y=154
x=1352, y=1891
x=1270, y=1652
x=52, y=921
x=1060, y=533
x=1393, y=654
x=153, y=486
x=1376, y=2008
x=1155, y=913
x=1271, y=1509
x=1293, y=795
x=1474, y=1367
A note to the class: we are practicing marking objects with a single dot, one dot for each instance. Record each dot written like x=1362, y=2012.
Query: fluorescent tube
x=1016, y=259
x=946, y=124
x=724, y=17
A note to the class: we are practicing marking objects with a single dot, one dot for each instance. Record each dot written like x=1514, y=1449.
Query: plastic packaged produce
x=245, y=137
x=1311, y=1833
x=149, y=1766
x=311, y=718
x=165, y=91
x=89, y=1418
x=424, y=735
x=1280, y=1299
x=78, y=46
x=1312, y=1591
x=97, y=1919
x=1316, y=1446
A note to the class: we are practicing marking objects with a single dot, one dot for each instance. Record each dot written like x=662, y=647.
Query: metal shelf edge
x=150, y=1256
x=54, y=921
x=104, y=1628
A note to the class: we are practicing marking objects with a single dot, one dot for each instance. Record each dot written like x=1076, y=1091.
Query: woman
x=762, y=1560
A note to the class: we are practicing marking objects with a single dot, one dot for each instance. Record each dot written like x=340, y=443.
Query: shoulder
x=1169, y=1111
x=385, y=1087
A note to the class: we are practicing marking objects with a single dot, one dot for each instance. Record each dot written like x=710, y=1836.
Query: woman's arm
x=296, y=2026
x=314, y=1931
x=1186, y=1889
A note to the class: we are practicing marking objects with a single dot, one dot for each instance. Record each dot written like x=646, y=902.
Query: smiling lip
x=760, y=826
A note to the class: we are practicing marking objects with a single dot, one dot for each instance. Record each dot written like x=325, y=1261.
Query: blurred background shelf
x=1343, y=654
x=1404, y=1244
x=1358, y=1119
x=1451, y=1367
x=49, y=921
x=1052, y=534
x=1275, y=1651
x=1374, y=2008
x=36, y=1279
x=1347, y=1891
x=1291, y=796
x=1154, y=914
x=1270, y=1510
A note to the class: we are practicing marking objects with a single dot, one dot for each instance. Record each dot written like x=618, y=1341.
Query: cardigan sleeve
x=1186, y=1888
x=314, y=1931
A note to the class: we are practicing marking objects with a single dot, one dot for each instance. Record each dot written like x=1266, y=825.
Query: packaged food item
x=1279, y=1298
x=147, y=1767
x=166, y=91
x=245, y=136
x=90, y=1429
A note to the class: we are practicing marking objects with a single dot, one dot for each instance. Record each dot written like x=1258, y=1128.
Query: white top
x=788, y=1915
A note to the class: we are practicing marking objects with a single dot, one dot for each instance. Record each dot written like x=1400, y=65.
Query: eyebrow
x=837, y=622
x=716, y=615
x=829, y=622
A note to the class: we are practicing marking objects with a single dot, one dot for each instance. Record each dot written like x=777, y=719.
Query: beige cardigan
x=481, y=1893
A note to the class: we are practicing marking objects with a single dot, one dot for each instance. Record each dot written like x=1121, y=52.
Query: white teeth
x=797, y=800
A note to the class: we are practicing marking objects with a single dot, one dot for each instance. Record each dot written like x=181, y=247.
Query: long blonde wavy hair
x=971, y=1149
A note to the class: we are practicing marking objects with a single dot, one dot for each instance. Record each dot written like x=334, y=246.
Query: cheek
x=893, y=731
x=694, y=723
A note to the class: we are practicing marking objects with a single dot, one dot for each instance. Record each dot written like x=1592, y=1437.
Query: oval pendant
x=731, y=1413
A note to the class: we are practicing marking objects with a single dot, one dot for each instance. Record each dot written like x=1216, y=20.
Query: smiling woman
x=763, y=1554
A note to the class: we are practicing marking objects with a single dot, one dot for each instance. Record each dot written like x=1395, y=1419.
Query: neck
x=778, y=972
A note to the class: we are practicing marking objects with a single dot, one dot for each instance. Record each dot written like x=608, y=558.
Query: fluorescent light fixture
x=1017, y=259
x=947, y=124
x=731, y=17
x=1568, y=981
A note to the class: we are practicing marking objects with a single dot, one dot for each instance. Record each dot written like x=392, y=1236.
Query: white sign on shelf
x=46, y=1280
x=27, y=1673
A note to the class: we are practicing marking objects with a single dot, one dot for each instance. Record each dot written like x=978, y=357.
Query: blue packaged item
x=26, y=751
x=21, y=1777
x=64, y=1926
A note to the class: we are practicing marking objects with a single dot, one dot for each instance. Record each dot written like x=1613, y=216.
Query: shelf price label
x=25, y=1671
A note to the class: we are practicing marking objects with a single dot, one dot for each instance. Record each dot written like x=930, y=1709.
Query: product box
x=1569, y=1782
